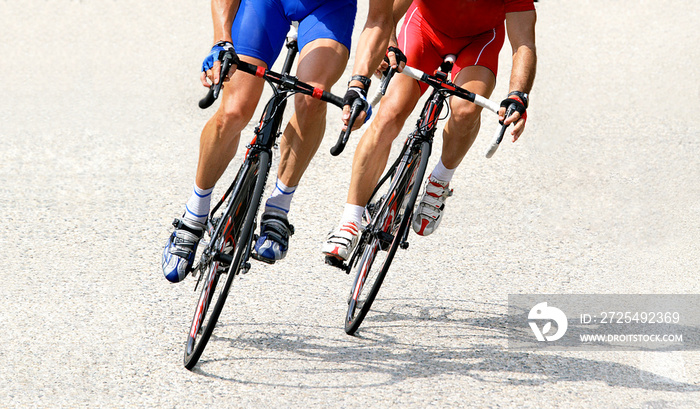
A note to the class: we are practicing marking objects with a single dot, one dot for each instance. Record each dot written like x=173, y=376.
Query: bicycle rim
x=217, y=278
x=372, y=266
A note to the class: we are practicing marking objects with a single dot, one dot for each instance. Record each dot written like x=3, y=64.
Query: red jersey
x=463, y=18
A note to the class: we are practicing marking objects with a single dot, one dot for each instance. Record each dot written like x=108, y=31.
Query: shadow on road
x=387, y=351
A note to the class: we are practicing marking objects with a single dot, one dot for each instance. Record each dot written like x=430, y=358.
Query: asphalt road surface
x=99, y=130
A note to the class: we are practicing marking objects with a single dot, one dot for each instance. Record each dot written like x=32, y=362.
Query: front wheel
x=378, y=246
x=224, y=256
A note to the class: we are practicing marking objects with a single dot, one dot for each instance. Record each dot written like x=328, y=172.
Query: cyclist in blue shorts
x=255, y=30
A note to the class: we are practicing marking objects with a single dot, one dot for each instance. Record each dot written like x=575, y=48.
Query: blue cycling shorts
x=261, y=26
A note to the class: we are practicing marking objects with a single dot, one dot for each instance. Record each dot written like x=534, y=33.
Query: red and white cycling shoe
x=431, y=207
x=342, y=241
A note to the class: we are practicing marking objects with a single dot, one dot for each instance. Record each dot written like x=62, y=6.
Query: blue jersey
x=261, y=26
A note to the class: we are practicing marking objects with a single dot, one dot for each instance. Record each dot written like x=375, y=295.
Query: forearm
x=222, y=13
x=524, y=68
x=521, y=33
x=399, y=10
x=393, y=38
x=374, y=39
x=370, y=50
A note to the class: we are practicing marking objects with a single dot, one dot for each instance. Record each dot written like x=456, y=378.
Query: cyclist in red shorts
x=474, y=31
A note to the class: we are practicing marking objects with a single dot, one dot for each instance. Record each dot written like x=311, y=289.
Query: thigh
x=330, y=19
x=420, y=43
x=322, y=62
x=482, y=50
x=259, y=29
x=477, y=79
x=242, y=92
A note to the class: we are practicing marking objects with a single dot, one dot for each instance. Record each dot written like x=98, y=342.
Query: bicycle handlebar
x=287, y=81
x=386, y=77
x=454, y=90
x=357, y=107
x=478, y=100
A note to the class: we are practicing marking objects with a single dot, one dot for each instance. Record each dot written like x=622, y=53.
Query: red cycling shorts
x=426, y=47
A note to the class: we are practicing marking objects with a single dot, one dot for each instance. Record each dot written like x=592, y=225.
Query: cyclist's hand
x=397, y=59
x=353, y=94
x=211, y=66
x=519, y=117
x=394, y=58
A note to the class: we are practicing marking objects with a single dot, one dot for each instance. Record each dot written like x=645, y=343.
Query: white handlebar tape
x=493, y=146
x=413, y=73
x=486, y=103
x=376, y=97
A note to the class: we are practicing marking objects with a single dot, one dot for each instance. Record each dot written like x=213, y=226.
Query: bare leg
x=369, y=162
x=374, y=147
x=217, y=146
x=321, y=64
x=458, y=136
x=463, y=126
x=221, y=134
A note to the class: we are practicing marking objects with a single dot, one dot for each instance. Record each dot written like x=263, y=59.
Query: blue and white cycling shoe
x=274, y=237
x=179, y=251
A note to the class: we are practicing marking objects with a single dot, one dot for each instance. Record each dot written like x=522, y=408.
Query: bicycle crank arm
x=224, y=258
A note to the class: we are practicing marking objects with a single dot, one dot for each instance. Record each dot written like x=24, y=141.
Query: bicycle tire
x=358, y=308
x=200, y=332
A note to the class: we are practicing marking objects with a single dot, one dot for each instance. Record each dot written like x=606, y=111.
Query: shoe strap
x=277, y=228
x=344, y=233
x=180, y=225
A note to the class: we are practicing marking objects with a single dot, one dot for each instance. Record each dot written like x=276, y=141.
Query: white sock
x=442, y=173
x=281, y=198
x=197, y=207
x=352, y=213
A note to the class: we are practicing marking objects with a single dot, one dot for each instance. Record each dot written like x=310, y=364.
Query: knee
x=233, y=117
x=389, y=122
x=309, y=108
x=380, y=135
x=466, y=115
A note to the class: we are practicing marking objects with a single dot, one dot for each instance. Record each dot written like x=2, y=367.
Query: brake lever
x=215, y=89
x=500, y=132
x=357, y=107
x=379, y=93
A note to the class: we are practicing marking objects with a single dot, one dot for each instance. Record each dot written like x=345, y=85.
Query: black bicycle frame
x=424, y=132
x=421, y=137
x=266, y=134
x=268, y=130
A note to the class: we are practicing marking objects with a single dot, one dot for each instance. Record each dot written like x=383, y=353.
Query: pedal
x=263, y=259
x=337, y=263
